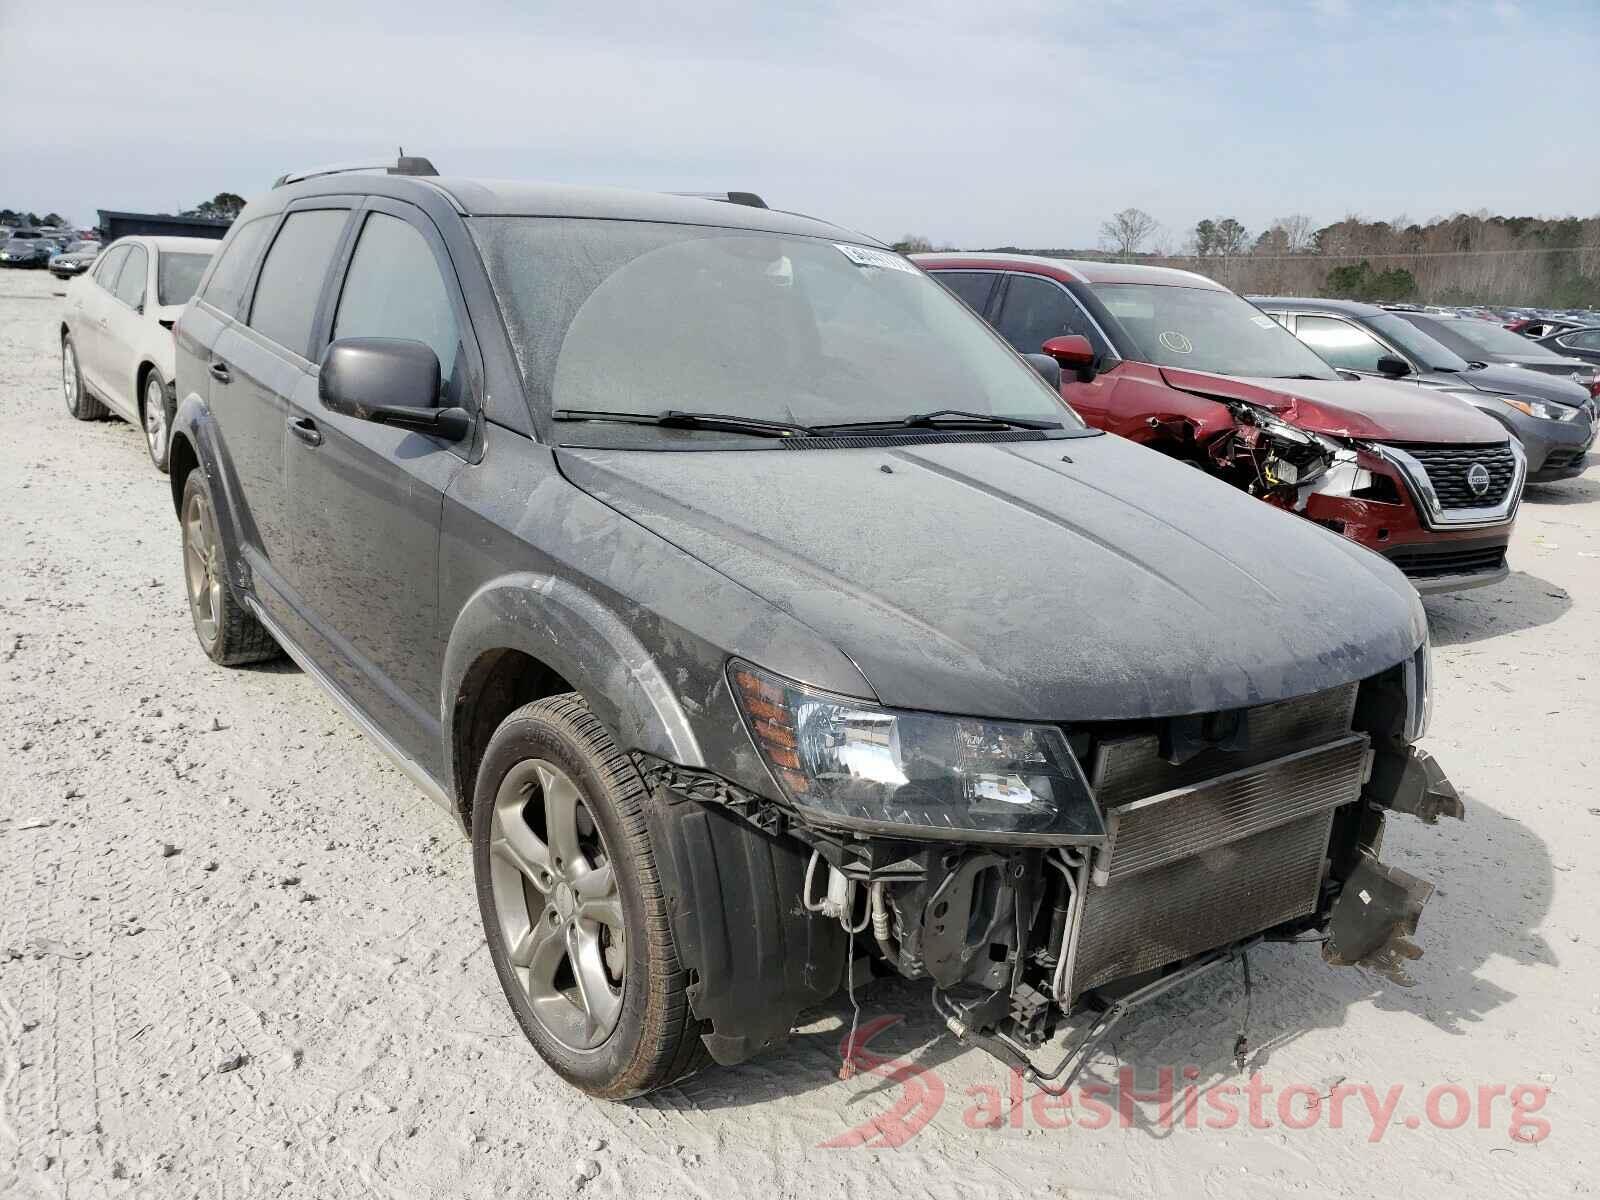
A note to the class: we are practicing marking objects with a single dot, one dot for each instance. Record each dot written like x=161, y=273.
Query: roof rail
x=403, y=165
x=748, y=199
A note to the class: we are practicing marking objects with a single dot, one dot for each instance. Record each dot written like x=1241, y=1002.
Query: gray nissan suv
x=767, y=620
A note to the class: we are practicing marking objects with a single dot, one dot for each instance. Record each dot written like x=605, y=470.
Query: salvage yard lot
x=240, y=955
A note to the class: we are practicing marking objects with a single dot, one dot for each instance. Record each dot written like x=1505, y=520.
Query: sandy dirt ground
x=240, y=955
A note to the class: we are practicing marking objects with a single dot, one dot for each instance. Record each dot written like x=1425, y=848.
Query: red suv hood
x=1371, y=409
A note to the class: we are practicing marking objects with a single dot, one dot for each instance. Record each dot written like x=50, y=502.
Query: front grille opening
x=1436, y=564
x=1213, y=840
x=1381, y=490
x=1451, y=471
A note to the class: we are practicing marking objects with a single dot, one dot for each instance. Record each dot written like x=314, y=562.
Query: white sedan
x=116, y=332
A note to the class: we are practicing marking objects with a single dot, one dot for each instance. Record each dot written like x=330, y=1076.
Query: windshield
x=81, y=247
x=1473, y=338
x=1414, y=342
x=640, y=317
x=178, y=275
x=1205, y=329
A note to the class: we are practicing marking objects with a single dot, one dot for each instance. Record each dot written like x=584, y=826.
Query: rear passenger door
x=120, y=333
x=256, y=368
x=366, y=499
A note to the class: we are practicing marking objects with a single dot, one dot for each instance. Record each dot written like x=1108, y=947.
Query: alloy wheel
x=556, y=899
x=155, y=417
x=69, y=374
x=202, y=566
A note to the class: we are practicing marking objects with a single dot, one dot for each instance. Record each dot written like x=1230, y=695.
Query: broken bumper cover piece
x=1376, y=914
x=1374, y=918
x=1414, y=783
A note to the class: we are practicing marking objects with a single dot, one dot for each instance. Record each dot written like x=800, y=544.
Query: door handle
x=306, y=430
x=220, y=372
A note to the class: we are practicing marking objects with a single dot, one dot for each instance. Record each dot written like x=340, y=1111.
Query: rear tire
x=229, y=632
x=577, y=926
x=156, y=414
x=80, y=403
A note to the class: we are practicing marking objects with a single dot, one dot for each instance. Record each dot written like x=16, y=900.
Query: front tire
x=229, y=632
x=577, y=925
x=80, y=403
x=157, y=413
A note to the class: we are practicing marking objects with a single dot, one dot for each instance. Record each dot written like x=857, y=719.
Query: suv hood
x=1376, y=410
x=1065, y=580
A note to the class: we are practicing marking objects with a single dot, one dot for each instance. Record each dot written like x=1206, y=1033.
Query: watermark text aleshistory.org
x=1177, y=1099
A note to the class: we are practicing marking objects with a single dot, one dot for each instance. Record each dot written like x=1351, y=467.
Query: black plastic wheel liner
x=756, y=955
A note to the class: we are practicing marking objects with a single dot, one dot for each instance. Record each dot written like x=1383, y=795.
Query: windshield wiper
x=947, y=416
x=674, y=419
x=1302, y=375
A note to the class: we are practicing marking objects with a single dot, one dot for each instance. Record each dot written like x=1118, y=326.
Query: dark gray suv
x=762, y=615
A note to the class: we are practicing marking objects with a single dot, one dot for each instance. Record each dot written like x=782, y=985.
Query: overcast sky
x=1020, y=121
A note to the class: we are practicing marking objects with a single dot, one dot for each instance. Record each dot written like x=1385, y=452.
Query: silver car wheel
x=202, y=567
x=155, y=417
x=557, y=903
x=69, y=374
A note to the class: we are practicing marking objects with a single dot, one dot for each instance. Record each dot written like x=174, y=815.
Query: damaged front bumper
x=1219, y=831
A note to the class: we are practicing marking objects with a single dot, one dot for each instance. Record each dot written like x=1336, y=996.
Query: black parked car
x=1576, y=343
x=1555, y=418
x=757, y=608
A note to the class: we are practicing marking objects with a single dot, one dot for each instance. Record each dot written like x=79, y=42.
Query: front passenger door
x=1035, y=309
x=366, y=499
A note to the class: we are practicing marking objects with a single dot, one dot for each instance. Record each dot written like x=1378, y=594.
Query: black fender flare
x=588, y=644
x=194, y=425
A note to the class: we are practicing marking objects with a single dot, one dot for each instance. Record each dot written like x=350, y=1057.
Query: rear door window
x=226, y=287
x=1588, y=340
x=1340, y=343
x=135, y=272
x=290, y=284
x=394, y=290
x=972, y=288
x=177, y=274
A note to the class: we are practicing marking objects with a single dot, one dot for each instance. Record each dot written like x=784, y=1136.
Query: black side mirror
x=1049, y=369
x=1393, y=366
x=389, y=381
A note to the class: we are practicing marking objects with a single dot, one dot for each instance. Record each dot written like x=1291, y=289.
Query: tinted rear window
x=226, y=288
x=291, y=278
x=177, y=276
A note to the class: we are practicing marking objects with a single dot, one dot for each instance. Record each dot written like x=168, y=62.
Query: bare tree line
x=1469, y=258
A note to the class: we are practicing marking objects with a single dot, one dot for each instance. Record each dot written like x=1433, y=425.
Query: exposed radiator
x=1220, y=847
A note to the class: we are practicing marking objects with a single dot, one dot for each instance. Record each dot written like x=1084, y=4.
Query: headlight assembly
x=1538, y=408
x=855, y=765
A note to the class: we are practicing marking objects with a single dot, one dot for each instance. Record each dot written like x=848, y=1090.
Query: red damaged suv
x=1180, y=363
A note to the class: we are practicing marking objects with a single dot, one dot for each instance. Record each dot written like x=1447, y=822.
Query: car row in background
x=77, y=258
x=116, y=332
x=1554, y=417
x=1177, y=362
x=1488, y=343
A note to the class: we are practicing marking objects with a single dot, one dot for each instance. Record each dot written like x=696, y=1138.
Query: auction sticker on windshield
x=865, y=256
